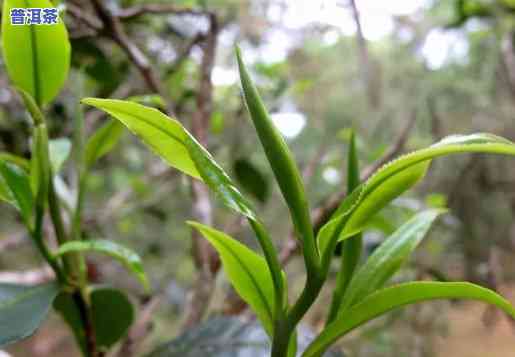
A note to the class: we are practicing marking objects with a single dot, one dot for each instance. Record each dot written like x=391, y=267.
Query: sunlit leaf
x=164, y=135
x=124, y=255
x=394, y=297
x=247, y=271
x=37, y=57
x=23, y=309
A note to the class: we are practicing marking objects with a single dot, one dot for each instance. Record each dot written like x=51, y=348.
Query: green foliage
x=282, y=163
x=37, y=57
x=388, y=258
x=102, y=141
x=256, y=279
x=248, y=273
x=112, y=315
x=23, y=309
x=251, y=179
x=124, y=255
x=397, y=296
x=165, y=136
x=17, y=190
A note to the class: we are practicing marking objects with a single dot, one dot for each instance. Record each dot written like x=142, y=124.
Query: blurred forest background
x=402, y=74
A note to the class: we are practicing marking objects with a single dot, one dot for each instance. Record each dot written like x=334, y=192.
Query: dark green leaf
x=124, y=255
x=251, y=179
x=102, y=141
x=112, y=315
x=394, y=297
x=37, y=58
x=247, y=271
x=23, y=309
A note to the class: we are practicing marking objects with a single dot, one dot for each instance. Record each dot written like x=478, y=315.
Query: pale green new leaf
x=388, y=258
x=281, y=160
x=124, y=255
x=23, y=309
x=247, y=271
x=102, y=141
x=59, y=151
x=397, y=296
x=37, y=57
x=164, y=135
x=401, y=174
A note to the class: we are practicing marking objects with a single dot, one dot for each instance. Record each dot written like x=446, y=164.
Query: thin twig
x=140, y=329
x=113, y=28
x=158, y=9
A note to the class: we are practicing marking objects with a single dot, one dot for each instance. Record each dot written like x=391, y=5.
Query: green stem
x=273, y=264
x=37, y=236
x=284, y=330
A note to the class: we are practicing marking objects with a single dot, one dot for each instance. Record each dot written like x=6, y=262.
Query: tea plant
x=37, y=61
x=360, y=295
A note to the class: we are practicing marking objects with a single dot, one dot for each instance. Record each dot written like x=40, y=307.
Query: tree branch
x=158, y=9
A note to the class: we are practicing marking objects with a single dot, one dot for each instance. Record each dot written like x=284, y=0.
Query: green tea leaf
x=124, y=255
x=179, y=148
x=217, y=180
x=23, y=309
x=247, y=271
x=22, y=162
x=401, y=174
x=37, y=58
x=388, y=258
x=59, y=150
x=112, y=315
x=164, y=135
x=394, y=297
x=102, y=141
x=283, y=165
x=18, y=184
